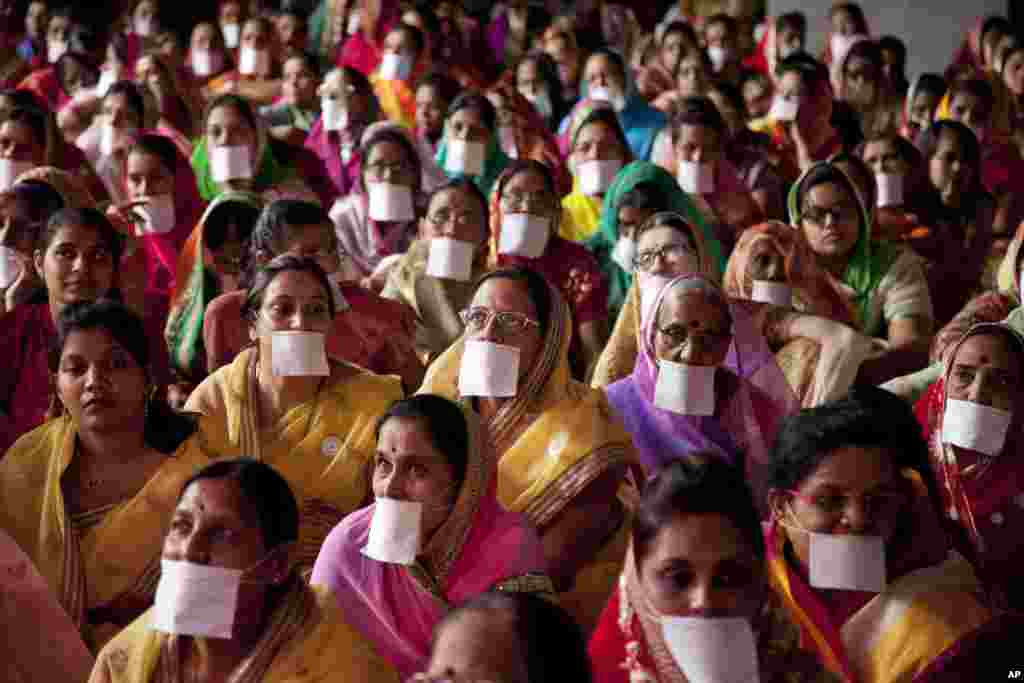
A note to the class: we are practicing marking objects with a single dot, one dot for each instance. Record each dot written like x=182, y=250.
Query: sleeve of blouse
x=906, y=289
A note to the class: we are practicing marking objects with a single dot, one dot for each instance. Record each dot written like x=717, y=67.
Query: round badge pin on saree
x=330, y=446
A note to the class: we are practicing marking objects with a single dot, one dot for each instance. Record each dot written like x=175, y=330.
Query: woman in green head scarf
x=211, y=263
x=640, y=190
x=234, y=152
x=885, y=282
x=470, y=146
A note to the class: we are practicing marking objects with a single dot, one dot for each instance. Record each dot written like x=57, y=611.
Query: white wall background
x=932, y=29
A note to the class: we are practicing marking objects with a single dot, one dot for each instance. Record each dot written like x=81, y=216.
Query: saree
x=619, y=356
x=984, y=495
x=886, y=114
x=339, y=151
x=306, y=640
x=749, y=411
x=397, y=98
x=34, y=627
x=322, y=447
x=532, y=139
x=436, y=301
x=364, y=242
x=894, y=635
x=102, y=565
x=194, y=289
x=368, y=331
x=603, y=242
x=495, y=162
x=480, y=547
x=882, y=281
x=552, y=441
x=628, y=645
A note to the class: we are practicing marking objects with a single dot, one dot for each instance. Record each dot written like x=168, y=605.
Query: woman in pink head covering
x=429, y=451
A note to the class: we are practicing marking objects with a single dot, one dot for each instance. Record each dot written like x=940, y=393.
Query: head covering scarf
x=163, y=249
x=479, y=547
x=869, y=260
x=973, y=491
x=533, y=140
x=268, y=170
x=816, y=293
x=607, y=236
x=744, y=427
x=495, y=161
x=193, y=292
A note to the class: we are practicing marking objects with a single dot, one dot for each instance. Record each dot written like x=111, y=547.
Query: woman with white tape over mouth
x=376, y=223
x=403, y=61
x=208, y=55
x=285, y=402
x=801, y=115
x=291, y=119
x=470, y=146
x=435, y=535
x=257, y=76
x=24, y=209
x=597, y=151
x=23, y=136
x=693, y=602
x=976, y=420
x=436, y=276
x=524, y=233
x=105, y=143
x=858, y=553
x=561, y=453
x=231, y=596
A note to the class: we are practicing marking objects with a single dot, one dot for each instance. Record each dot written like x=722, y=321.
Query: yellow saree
x=580, y=216
x=553, y=440
x=320, y=447
x=306, y=641
x=105, y=575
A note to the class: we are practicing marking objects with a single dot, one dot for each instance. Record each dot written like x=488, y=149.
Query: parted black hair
x=444, y=422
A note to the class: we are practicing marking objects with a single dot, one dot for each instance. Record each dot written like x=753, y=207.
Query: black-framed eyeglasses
x=672, y=252
x=478, y=318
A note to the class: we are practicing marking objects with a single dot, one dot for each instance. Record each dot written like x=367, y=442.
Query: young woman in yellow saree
x=88, y=495
x=562, y=454
x=240, y=516
x=317, y=426
x=851, y=481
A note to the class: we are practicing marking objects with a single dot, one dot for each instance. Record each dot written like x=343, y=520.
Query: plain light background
x=931, y=30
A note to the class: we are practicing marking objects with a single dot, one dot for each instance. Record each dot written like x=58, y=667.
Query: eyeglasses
x=520, y=201
x=445, y=216
x=509, y=322
x=819, y=216
x=876, y=504
x=672, y=252
x=379, y=170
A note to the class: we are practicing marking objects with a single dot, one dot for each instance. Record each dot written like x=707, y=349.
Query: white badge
x=159, y=214
x=232, y=32
x=976, y=427
x=847, y=562
x=685, y=389
x=624, y=253
x=113, y=139
x=507, y=140
x=775, y=293
x=10, y=170
x=206, y=62
x=55, y=50
x=395, y=66
x=524, y=234
x=489, y=369
x=395, y=531
x=252, y=61
x=595, y=177
x=650, y=286
x=465, y=157
x=696, y=177
x=10, y=267
x=333, y=113
x=108, y=77
x=450, y=259
x=298, y=353
x=890, y=189
x=784, y=108
x=230, y=163
x=390, y=202
x=712, y=649
x=719, y=56
x=330, y=446
x=196, y=600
